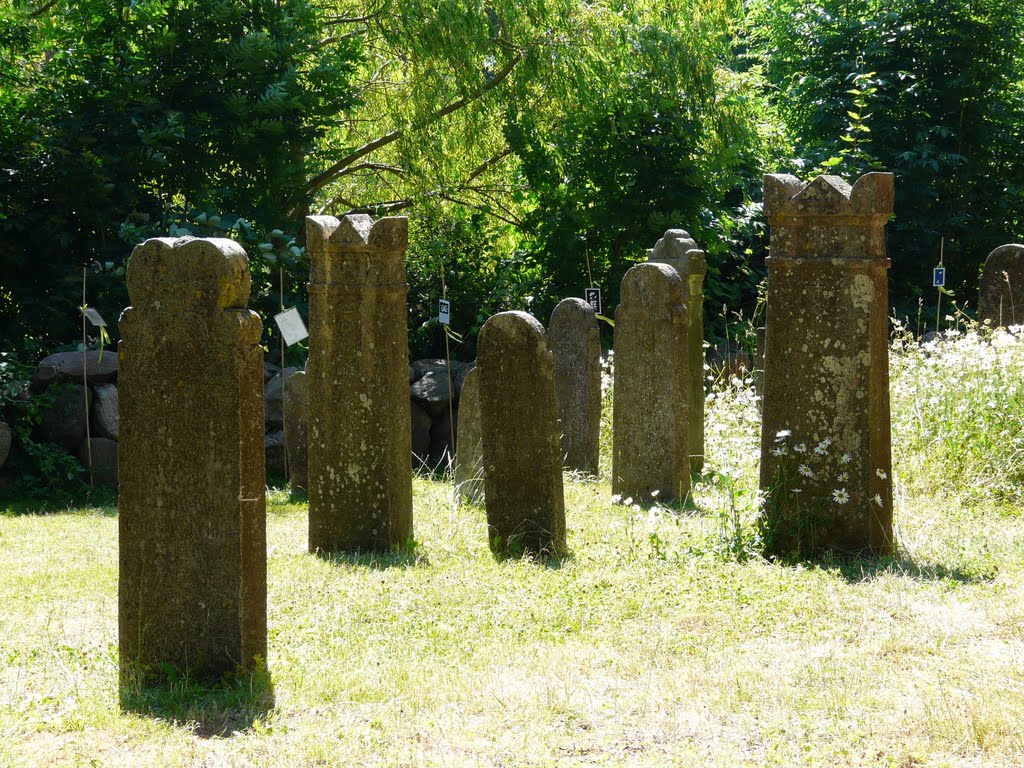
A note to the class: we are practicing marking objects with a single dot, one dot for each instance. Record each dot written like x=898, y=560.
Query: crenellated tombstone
x=677, y=249
x=359, y=473
x=1001, y=290
x=575, y=343
x=469, y=458
x=521, y=448
x=650, y=414
x=825, y=442
x=296, y=429
x=192, y=593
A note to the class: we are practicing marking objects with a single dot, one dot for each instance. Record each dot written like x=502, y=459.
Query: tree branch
x=324, y=178
x=43, y=9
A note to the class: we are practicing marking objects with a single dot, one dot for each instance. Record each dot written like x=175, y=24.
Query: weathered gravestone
x=360, y=475
x=679, y=251
x=650, y=418
x=825, y=442
x=575, y=342
x=192, y=517
x=469, y=458
x=519, y=418
x=1001, y=291
x=296, y=429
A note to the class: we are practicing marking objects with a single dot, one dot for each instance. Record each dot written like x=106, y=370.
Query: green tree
x=942, y=109
x=143, y=111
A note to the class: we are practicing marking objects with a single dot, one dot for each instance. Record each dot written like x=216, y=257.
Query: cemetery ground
x=662, y=639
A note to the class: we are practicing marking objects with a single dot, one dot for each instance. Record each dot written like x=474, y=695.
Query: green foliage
x=35, y=469
x=141, y=108
x=482, y=276
x=945, y=114
x=659, y=149
x=958, y=413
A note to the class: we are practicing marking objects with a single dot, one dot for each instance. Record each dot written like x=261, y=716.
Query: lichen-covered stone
x=192, y=513
x=650, y=417
x=575, y=342
x=679, y=251
x=360, y=474
x=469, y=458
x=1001, y=291
x=296, y=429
x=521, y=447
x=825, y=445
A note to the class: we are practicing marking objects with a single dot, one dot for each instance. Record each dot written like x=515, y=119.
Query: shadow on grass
x=212, y=710
x=861, y=570
x=101, y=498
x=552, y=562
x=409, y=556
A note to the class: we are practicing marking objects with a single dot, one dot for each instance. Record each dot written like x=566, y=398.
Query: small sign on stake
x=593, y=298
x=95, y=317
x=938, y=277
x=290, y=324
x=444, y=312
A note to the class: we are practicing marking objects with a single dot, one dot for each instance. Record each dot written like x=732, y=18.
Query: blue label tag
x=938, y=277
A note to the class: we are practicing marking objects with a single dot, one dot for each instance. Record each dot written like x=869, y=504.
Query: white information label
x=444, y=312
x=95, y=317
x=291, y=326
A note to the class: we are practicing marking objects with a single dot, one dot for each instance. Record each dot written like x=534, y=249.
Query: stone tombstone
x=296, y=429
x=825, y=441
x=679, y=251
x=1001, y=291
x=650, y=416
x=360, y=474
x=192, y=512
x=575, y=342
x=521, y=447
x=469, y=458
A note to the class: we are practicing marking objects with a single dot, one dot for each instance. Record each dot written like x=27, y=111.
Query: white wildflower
x=845, y=458
x=881, y=474
x=802, y=448
x=840, y=495
x=806, y=471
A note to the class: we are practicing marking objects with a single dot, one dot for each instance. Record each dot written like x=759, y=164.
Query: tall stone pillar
x=679, y=251
x=825, y=442
x=519, y=417
x=192, y=592
x=359, y=473
x=650, y=418
x=575, y=342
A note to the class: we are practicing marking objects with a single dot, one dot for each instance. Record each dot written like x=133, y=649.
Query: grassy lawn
x=661, y=640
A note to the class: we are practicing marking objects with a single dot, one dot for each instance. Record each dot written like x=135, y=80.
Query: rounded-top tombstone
x=1001, y=290
x=521, y=451
x=575, y=342
x=192, y=541
x=650, y=449
x=677, y=249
